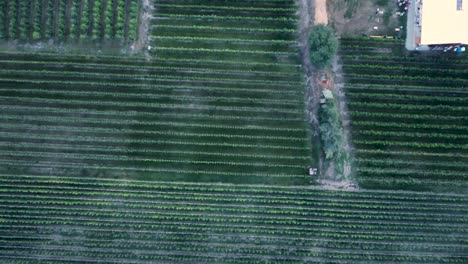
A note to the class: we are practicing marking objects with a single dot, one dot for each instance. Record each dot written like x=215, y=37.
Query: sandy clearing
x=321, y=16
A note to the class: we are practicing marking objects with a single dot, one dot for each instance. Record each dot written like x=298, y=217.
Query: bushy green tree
x=322, y=45
x=331, y=131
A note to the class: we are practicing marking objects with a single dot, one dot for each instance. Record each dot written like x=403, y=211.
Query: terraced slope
x=65, y=219
x=220, y=103
x=409, y=116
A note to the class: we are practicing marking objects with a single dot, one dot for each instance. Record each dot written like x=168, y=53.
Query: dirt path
x=344, y=113
x=146, y=16
x=312, y=95
x=321, y=15
x=317, y=10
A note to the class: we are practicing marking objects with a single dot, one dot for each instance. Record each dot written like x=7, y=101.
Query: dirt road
x=321, y=15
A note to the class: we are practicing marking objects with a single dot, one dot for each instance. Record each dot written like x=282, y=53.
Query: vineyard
x=107, y=221
x=408, y=114
x=220, y=103
x=197, y=151
x=65, y=20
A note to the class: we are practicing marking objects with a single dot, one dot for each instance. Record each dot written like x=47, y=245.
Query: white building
x=443, y=22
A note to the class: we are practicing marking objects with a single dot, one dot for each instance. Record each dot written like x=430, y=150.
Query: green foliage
x=19, y=24
x=331, y=131
x=409, y=122
x=381, y=2
x=322, y=45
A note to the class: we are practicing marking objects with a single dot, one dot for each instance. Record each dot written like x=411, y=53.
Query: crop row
x=193, y=174
x=149, y=116
x=141, y=69
x=130, y=106
x=149, y=78
x=263, y=205
x=407, y=120
x=223, y=216
x=70, y=20
x=55, y=84
x=194, y=239
x=156, y=96
x=105, y=210
x=245, y=190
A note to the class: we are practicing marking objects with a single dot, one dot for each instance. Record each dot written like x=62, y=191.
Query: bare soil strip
x=321, y=15
x=344, y=113
x=317, y=9
x=306, y=13
x=145, y=17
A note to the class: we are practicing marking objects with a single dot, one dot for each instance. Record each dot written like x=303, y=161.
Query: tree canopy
x=322, y=45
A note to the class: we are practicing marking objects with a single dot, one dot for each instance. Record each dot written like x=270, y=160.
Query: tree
x=322, y=45
x=331, y=131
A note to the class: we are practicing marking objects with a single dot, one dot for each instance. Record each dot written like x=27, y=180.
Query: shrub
x=331, y=131
x=322, y=45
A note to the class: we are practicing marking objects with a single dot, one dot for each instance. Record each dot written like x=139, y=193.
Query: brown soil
x=321, y=15
x=363, y=19
x=335, y=185
x=344, y=113
x=306, y=13
x=143, y=27
x=309, y=9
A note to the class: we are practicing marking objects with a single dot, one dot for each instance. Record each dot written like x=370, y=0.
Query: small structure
x=313, y=171
x=326, y=95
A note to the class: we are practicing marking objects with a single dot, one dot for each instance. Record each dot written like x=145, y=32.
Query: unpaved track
x=321, y=15
x=143, y=28
x=317, y=10
x=344, y=113
x=312, y=95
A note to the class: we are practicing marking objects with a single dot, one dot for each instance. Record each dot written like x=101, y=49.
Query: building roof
x=444, y=22
x=327, y=94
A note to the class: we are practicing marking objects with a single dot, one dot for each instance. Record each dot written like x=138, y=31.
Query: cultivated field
x=53, y=219
x=65, y=20
x=197, y=152
x=216, y=103
x=409, y=116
